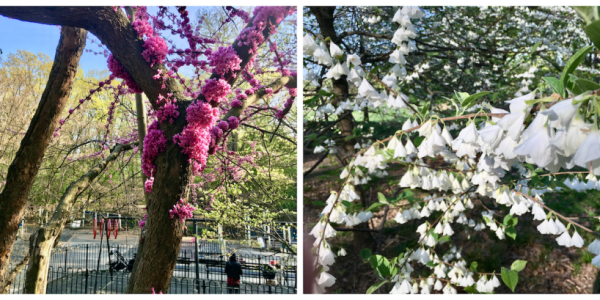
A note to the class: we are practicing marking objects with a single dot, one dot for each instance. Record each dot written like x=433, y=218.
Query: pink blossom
x=224, y=60
x=215, y=90
x=148, y=185
x=182, y=211
x=194, y=141
x=223, y=125
x=154, y=143
x=155, y=50
x=202, y=113
x=118, y=71
x=236, y=104
x=234, y=122
x=167, y=111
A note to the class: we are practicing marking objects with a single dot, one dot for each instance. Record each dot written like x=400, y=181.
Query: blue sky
x=18, y=35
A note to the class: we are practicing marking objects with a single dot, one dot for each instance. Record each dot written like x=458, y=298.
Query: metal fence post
x=196, y=255
x=86, y=267
x=66, y=252
x=259, y=270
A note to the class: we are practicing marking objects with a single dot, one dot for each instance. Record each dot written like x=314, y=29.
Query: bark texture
x=13, y=274
x=43, y=240
x=325, y=19
x=28, y=159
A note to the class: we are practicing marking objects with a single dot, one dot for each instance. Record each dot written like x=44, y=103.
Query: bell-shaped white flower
x=561, y=113
x=564, y=239
x=594, y=247
x=588, y=156
x=397, y=58
x=354, y=59
x=308, y=45
x=335, y=50
x=538, y=148
x=366, y=90
x=576, y=240
x=337, y=71
x=326, y=279
x=399, y=71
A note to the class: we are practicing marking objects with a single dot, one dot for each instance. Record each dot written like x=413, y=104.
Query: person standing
x=233, y=269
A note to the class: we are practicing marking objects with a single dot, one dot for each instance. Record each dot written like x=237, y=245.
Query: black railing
x=85, y=269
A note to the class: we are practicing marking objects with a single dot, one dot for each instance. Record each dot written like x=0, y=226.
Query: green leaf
x=473, y=266
x=466, y=104
x=518, y=265
x=435, y=236
x=375, y=287
x=382, y=265
x=375, y=206
x=365, y=253
x=425, y=110
x=511, y=232
x=510, y=278
x=471, y=290
x=593, y=32
x=418, y=140
x=382, y=198
x=572, y=65
x=445, y=238
x=535, y=48
x=431, y=264
x=582, y=85
x=510, y=221
x=555, y=84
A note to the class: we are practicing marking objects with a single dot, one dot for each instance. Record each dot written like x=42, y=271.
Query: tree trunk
x=10, y=278
x=28, y=159
x=43, y=240
x=325, y=19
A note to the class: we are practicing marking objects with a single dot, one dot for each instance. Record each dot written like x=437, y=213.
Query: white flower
x=319, y=149
x=308, y=45
x=354, y=59
x=326, y=279
x=561, y=113
x=576, y=240
x=335, y=50
x=342, y=252
x=596, y=261
x=588, y=156
x=594, y=247
x=322, y=56
x=538, y=212
x=537, y=147
x=366, y=90
x=397, y=58
x=337, y=71
x=513, y=124
x=564, y=239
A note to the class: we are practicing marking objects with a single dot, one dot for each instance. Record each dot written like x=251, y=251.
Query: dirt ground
x=550, y=268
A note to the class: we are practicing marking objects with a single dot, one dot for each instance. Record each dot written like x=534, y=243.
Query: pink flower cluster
x=240, y=13
x=182, y=211
x=148, y=185
x=277, y=13
x=234, y=122
x=142, y=27
x=142, y=222
x=224, y=60
x=154, y=143
x=250, y=37
x=215, y=90
x=202, y=113
x=155, y=50
x=194, y=141
x=168, y=111
x=118, y=71
x=237, y=103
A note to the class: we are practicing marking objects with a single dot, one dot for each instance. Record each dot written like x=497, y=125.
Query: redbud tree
x=461, y=163
x=191, y=118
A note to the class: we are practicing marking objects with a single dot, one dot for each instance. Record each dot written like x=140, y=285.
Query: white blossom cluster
x=481, y=155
